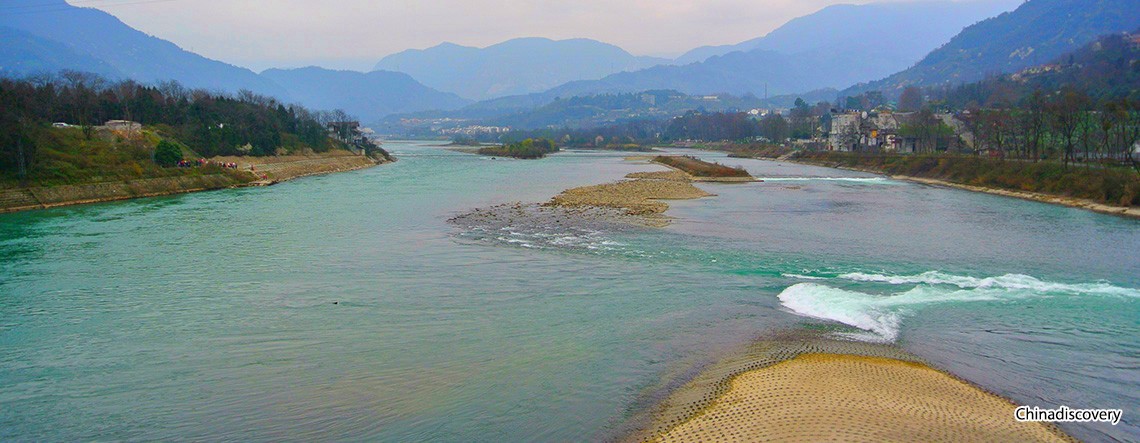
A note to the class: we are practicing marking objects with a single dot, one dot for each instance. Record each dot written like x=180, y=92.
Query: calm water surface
x=345, y=307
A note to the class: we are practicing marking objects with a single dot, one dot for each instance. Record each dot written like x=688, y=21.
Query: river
x=346, y=307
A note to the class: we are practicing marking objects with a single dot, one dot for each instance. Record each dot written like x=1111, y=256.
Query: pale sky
x=355, y=34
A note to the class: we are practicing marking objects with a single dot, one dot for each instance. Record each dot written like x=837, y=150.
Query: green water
x=346, y=307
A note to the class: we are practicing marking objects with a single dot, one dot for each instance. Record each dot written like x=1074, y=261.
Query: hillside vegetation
x=1034, y=33
x=65, y=156
x=200, y=124
x=1106, y=69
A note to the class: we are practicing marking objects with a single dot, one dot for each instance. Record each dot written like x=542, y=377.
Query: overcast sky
x=355, y=34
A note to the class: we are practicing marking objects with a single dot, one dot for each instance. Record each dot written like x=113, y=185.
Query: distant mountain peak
x=369, y=96
x=834, y=48
x=498, y=70
x=925, y=22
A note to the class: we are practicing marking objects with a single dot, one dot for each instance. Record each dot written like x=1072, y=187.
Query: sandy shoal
x=690, y=177
x=639, y=196
x=834, y=397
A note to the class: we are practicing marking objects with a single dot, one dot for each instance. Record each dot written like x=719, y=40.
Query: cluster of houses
x=352, y=134
x=900, y=132
x=475, y=130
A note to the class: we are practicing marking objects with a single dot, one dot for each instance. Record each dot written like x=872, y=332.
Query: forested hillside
x=1033, y=34
x=204, y=123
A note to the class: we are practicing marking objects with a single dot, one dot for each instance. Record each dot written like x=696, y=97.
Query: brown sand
x=833, y=397
x=638, y=196
x=288, y=167
x=805, y=385
x=662, y=175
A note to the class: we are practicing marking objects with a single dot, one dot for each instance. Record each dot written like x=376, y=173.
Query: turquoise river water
x=347, y=308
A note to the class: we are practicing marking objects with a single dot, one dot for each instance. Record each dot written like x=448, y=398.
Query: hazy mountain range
x=83, y=39
x=518, y=66
x=91, y=40
x=837, y=47
x=902, y=31
x=369, y=96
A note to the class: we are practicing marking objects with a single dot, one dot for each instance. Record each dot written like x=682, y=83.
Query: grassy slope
x=64, y=156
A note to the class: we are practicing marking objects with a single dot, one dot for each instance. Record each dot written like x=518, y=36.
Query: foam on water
x=1007, y=281
x=848, y=307
x=883, y=314
x=564, y=238
x=803, y=277
x=535, y=227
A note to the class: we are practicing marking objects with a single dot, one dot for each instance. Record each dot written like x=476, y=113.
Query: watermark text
x=1067, y=414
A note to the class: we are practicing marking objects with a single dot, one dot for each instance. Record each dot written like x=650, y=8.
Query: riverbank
x=811, y=388
x=253, y=171
x=1123, y=211
x=976, y=181
x=287, y=167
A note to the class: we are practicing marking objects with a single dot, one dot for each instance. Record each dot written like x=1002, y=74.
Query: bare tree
x=1034, y=124
x=1065, y=112
x=911, y=99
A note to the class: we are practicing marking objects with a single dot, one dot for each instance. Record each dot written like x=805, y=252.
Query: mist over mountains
x=369, y=96
x=91, y=40
x=65, y=37
x=882, y=46
x=902, y=31
x=518, y=66
x=836, y=47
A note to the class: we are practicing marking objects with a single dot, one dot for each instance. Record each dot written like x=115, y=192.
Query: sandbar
x=640, y=194
x=833, y=390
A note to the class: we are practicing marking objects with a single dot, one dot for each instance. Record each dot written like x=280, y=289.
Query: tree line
x=803, y=122
x=210, y=123
x=527, y=149
x=1065, y=125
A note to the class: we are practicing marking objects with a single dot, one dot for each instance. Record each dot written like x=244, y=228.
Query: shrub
x=526, y=149
x=167, y=154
